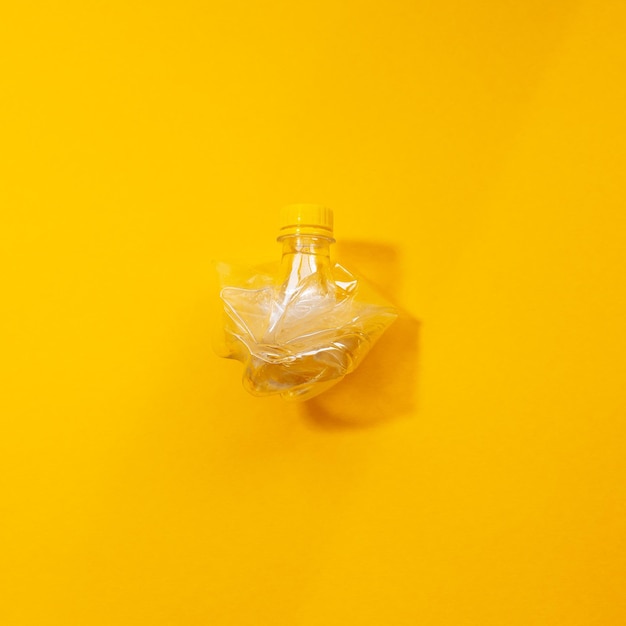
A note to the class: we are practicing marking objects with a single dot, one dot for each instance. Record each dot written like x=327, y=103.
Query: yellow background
x=473, y=472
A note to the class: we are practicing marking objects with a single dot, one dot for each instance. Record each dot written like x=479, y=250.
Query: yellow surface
x=473, y=472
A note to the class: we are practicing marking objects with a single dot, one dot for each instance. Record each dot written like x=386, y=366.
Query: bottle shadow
x=384, y=386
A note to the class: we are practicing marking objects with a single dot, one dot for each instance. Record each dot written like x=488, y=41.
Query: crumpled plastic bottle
x=300, y=327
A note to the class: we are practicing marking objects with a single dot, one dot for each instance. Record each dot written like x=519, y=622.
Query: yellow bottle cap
x=306, y=219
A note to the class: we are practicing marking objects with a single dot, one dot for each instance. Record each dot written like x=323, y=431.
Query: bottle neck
x=306, y=244
x=304, y=255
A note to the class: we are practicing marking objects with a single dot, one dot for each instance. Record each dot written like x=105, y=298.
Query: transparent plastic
x=300, y=326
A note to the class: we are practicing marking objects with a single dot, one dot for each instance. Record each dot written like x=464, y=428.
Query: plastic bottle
x=301, y=329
